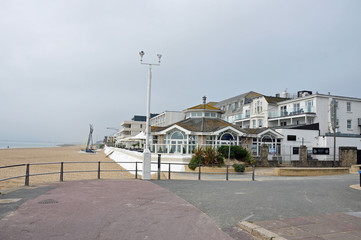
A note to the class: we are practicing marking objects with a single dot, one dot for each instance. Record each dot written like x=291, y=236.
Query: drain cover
x=48, y=201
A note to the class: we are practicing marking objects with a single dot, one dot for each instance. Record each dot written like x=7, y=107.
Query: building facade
x=167, y=118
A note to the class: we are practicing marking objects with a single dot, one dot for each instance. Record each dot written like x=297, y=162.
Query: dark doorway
x=358, y=156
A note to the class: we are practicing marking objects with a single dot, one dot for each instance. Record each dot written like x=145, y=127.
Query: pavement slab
x=108, y=209
x=336, y=226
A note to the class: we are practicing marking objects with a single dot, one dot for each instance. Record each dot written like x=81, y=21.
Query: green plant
x=224, y=151
x=195, y=161
x=239, y=153
x=239, y=167
x=249, y=158
x=135, y=145
x=206, y=156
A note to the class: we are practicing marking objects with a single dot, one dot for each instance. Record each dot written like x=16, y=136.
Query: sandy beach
x=54, y=154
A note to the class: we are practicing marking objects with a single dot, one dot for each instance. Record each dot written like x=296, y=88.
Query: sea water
x=26, y=144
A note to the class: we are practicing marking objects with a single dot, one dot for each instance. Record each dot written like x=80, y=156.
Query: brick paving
x=108, y=209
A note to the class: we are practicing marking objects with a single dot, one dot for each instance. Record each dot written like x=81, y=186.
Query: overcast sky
x=67, y=63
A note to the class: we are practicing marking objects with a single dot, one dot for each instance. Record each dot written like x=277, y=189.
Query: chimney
x=278, y=95
x=204, y=99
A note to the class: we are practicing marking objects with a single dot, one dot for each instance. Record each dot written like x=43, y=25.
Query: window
x=141, y=125
x=247, y=113
x=309, y=106
x=348, y=104
x=310, y=120
x=258, y=107
x=283, y=123
x=283, y=111
x=234, y=106
x=254, y=123
x=349, y=124
x=291, y=137
x=206, y=114
x=260, y=122
x=296, y=107
x=296, y=150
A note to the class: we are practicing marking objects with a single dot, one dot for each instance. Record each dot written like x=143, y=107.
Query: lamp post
x=147, y=156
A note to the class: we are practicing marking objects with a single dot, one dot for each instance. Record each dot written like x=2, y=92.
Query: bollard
x=169, y=171
x=227, y=173
x=253, y=168
x=360, y=176
x=136, y=170
x=61, y=171
x=159, y=166
x=27, y=174
x=98, y=170
x=199, y=171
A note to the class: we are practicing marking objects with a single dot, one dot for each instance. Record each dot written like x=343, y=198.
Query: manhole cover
x=48, y=201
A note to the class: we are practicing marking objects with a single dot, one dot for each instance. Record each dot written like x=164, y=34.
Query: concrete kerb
x=356, y=186
x=259, y=232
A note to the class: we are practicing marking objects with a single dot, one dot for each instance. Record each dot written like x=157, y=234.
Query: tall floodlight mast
x=147, y=156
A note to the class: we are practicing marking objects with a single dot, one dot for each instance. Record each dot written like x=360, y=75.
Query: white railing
x=291, y=112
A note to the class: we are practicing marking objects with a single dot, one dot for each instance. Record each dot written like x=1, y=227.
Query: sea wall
x=132, y=160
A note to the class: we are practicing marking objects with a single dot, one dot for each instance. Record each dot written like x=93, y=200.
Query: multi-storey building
x=133, y=127
x=306, y=108
x=249, y=110
x=313, y=116
x=323, y=109
x=167, y=118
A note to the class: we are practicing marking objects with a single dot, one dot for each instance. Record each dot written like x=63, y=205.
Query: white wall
x=310, y=139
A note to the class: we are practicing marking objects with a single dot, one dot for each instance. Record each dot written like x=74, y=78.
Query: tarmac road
x=269, y=197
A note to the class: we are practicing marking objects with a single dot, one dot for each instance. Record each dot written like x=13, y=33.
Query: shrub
x=224, y=151
x=207, y=156
x=195, y=161
x=239, y=167
x=249, y=158
x=239, y=153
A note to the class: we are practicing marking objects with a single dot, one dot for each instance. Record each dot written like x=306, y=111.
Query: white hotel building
x=306, y=118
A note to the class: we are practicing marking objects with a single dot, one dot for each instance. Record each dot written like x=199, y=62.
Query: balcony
x=242, y=116
x=291, y=112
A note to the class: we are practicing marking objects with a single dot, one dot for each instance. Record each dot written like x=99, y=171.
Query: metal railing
x=198, y=172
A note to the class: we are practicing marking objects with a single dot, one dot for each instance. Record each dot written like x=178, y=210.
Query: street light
x=147, y=156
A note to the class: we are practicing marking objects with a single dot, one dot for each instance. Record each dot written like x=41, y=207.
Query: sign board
x=272, y=150
x=321, y=151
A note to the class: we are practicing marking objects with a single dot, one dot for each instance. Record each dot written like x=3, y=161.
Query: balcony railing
x=242, y=116
x=291, y=112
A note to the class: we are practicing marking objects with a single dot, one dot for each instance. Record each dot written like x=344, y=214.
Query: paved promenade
x=305, y=208
x=278, y=208
x=103, y=209
x=337, y=226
